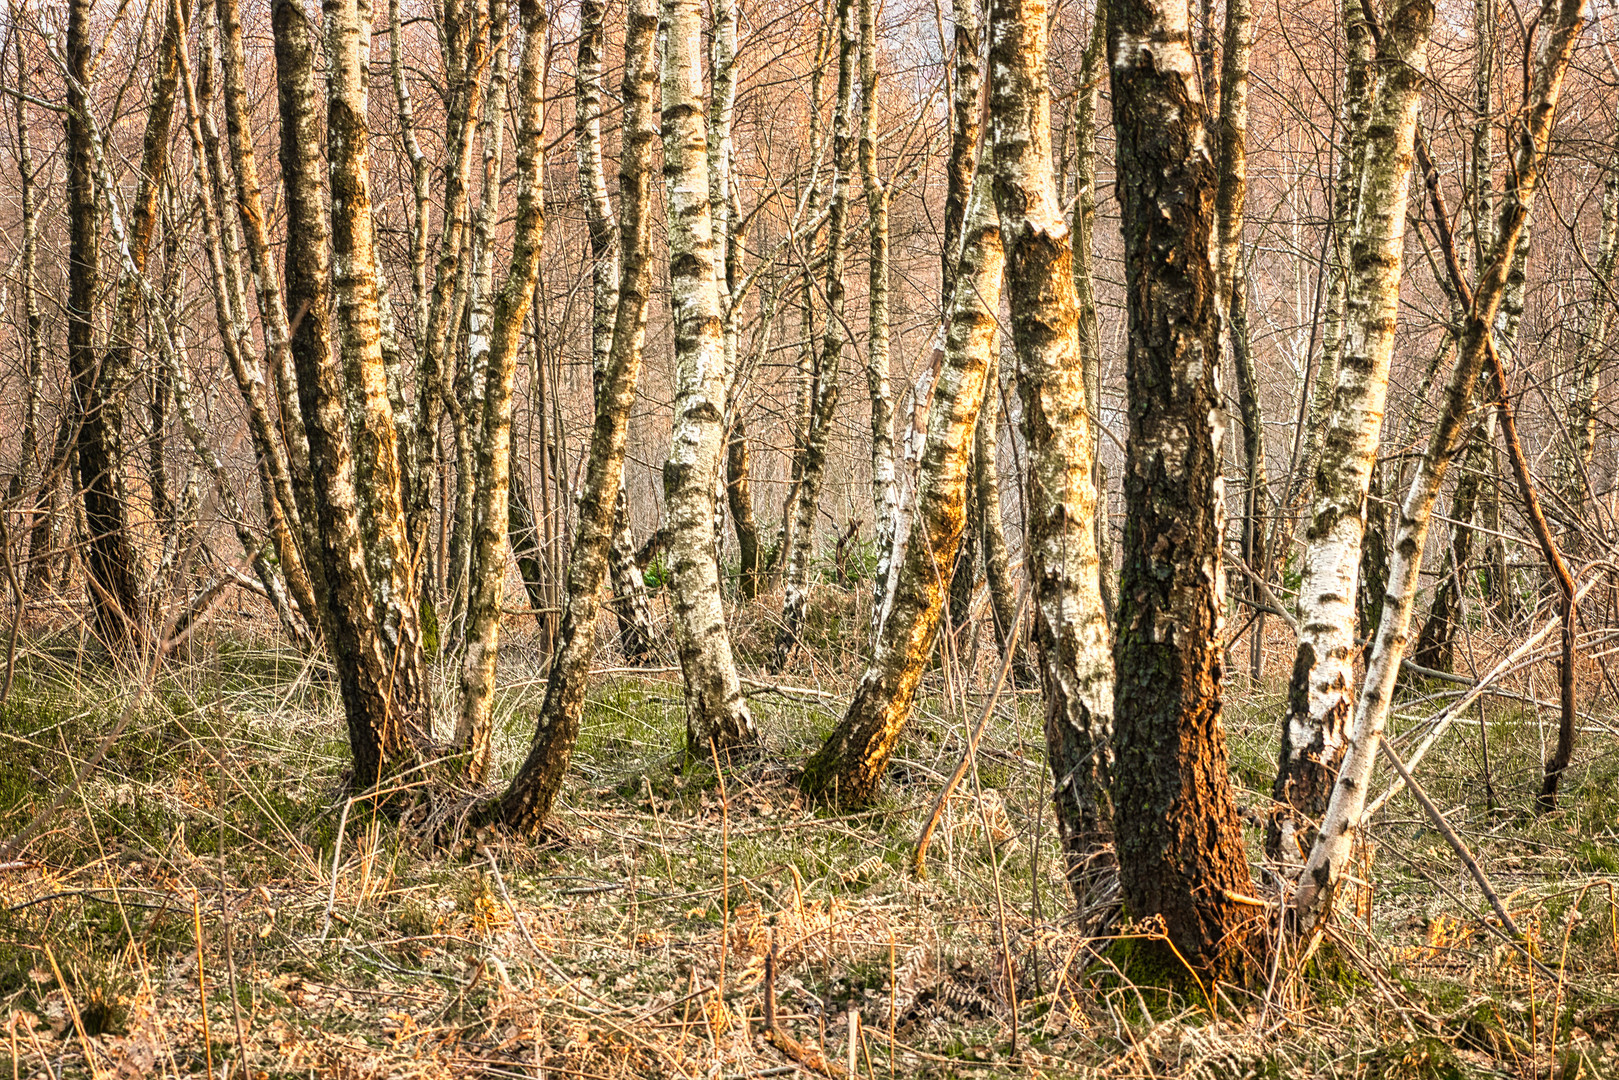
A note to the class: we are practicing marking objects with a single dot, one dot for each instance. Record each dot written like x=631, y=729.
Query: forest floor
x=203, y=900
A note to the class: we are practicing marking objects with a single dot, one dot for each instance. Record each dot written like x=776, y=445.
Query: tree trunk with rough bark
x=848, y=768
x=1180, y=845
x=110, y=559
x=1321, y=691
x=716, y=714
x=1070, y=625
x=381, y=711
x=510, y=310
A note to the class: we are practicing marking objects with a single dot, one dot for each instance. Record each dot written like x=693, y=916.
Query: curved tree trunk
x=1180, y=846
x=716, y=714
x=849, y=766
x=1321, y=693
x=1070, y=626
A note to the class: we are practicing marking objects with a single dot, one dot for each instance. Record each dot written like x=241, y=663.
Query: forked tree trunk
x=1070, y=626
x=529, y=800
x=1559, y=23
x=850, y=764
x=716, y=714
x=825, y=397
x=377, y=707
x=1180, y=845
x=1321, y=692
x=474, y=725
x=110, y=561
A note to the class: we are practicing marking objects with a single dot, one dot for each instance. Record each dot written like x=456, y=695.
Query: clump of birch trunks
x=208, y=900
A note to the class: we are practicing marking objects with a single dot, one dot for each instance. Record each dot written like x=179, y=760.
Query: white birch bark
x=1559, y=23
x=1321, y=694
x=716, y=713
x=509, y=311
x=884, y=490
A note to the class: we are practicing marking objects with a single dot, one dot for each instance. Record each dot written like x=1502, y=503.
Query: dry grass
x=637, y=947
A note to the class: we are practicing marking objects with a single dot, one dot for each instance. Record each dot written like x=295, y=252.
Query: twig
x=1460, y=848
x=1453, y=710
x=337, y=853
x=920, y=854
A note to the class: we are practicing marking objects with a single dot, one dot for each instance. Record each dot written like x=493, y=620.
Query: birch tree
x=1559, y=22
x=632, y=608
x=1321, y=692
x=850, y=764
x=884, y=489
x=1179, y=842
x=383, y=712
x=716, y=714
x=1070, y=626
x=511, y=307
x=110, y=560
x=829, y=360
x=529, y=800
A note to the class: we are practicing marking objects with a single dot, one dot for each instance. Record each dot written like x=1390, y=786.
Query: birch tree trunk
x=1180, y=846
x=1321, y=692
x=1357, y=91
x=848, y=768
x=1084, y=243
x=1229, y=204
x=716, y=714
x=37, y=573
x=271, y=303
x=632, y=607
x=474, y=727
x=379, y=709
x=825, y=396
x=884, y=490
x=529, y=800
x=1559, y=22
x=110, y=560
x=1070, y=627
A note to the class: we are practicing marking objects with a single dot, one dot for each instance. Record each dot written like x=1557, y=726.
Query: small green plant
x=656, y=574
